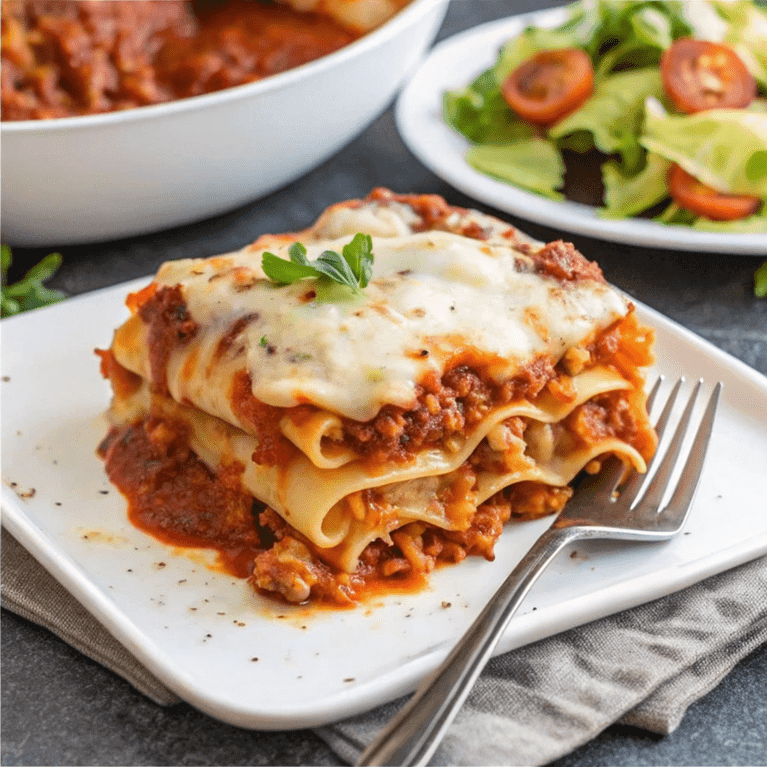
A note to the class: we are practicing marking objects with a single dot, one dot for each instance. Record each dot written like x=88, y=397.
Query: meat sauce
x=62, y=58
x=169, y=326
x=176, y=498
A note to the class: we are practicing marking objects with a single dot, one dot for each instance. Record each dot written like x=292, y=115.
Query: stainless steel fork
x=598, y=509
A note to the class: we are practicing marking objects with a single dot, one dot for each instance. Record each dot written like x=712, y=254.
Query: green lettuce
x=621, y=30
x=627, y=196
x=725, y=149
x=613, y=116
x=645, y=27
x=480, y=112
x=752, y=225
x=677, y=216
x=747, y=33
x=533, y=164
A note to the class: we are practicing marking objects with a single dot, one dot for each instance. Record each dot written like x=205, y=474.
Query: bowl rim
x=408, y=15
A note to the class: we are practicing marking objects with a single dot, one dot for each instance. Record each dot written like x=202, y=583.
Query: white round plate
x=454, y=63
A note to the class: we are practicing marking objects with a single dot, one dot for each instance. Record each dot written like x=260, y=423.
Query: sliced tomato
x=550, y=85
x=699, y=75
x=690, y=194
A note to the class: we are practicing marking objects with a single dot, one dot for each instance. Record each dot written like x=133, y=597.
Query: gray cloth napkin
x=642, y=667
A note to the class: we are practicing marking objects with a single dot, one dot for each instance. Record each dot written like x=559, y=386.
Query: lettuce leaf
x=533, y=164
x=644, y=30
x=638, y=23
x=613, y=117
x=751, y=225
x=628, y=196
x=480, y=112
x=676, y=216
x=725, y=149
x=747, y=34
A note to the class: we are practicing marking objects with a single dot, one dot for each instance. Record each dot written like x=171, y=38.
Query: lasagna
x=331, y=439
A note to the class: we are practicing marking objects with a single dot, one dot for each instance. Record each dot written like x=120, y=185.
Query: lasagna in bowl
x=328, y=439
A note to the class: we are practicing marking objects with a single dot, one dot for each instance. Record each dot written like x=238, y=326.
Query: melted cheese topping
x=434, y=292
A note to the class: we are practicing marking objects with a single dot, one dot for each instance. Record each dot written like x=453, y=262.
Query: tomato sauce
x=169, y=325
x=77, y=57
x=173, y=496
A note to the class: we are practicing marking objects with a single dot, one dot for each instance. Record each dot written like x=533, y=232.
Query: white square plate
x=247, y=661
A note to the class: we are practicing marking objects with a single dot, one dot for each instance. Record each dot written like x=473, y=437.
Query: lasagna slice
x=335, y=439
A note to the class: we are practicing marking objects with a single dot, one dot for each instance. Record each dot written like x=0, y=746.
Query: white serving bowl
x=100, y=177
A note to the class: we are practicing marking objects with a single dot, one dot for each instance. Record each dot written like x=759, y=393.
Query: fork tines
x=666, y=459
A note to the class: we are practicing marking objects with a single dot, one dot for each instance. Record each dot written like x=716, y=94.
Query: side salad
x=669, y=96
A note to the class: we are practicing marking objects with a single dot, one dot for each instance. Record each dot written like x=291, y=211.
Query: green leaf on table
x=29, y=292
x=760, y=281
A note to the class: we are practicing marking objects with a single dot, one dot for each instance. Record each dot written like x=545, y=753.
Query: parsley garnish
x=353, y=268
x=29, y=292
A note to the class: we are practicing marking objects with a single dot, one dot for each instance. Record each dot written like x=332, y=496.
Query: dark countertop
x=62, y=708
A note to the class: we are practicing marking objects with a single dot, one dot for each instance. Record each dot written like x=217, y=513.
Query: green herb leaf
x=29, y=292
x=359, y=255
x=284, y=272
x=353, y=269
x=297, y=253
x=332, y=265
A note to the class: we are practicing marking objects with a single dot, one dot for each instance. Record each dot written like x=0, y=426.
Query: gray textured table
x=59, y=707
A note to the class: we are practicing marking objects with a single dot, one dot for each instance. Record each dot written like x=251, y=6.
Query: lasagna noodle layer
x=324, y=503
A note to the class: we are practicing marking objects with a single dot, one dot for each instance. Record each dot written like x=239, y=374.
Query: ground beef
x=169, y=325
x=447, y=406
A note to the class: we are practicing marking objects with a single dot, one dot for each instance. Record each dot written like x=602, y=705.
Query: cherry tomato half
x=550, y=85
x=690, y=194
x=699, y=75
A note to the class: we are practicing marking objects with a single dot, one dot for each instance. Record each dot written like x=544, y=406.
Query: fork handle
x=414, y=734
